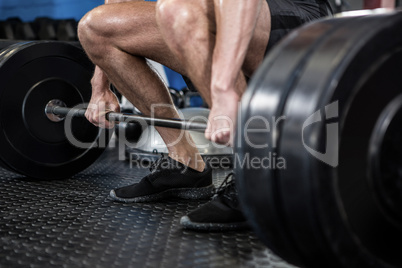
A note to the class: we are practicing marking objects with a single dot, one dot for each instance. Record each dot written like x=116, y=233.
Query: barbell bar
x=57, y=113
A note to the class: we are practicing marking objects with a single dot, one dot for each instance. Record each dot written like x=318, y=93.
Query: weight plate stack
x=332, y=81
x=32, y=74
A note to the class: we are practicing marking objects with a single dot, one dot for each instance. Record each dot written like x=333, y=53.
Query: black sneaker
x=168, y=178
x=222, y=213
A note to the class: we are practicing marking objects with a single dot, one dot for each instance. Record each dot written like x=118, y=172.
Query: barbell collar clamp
x=49, y=110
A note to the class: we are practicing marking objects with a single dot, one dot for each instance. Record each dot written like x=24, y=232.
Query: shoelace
x=228, y=188
x=154, y=166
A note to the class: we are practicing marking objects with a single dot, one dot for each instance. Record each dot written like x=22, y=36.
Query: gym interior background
x=72, y=223
x=28, y=11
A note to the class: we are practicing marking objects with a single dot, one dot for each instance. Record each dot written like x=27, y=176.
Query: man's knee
x=89, y=28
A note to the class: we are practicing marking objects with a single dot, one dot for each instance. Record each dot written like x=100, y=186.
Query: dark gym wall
x=28, y=10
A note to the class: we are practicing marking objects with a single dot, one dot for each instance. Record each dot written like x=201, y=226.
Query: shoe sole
x=182, y=193
x=186, y=223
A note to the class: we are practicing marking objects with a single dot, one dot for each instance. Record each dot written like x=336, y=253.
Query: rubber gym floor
x=73, y=223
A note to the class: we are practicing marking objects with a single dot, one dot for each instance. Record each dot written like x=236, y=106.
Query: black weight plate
x=32, y=74
x=354, y=74
x=6, y=48
x=385, y=156
x=5, y=44
x=265, y=98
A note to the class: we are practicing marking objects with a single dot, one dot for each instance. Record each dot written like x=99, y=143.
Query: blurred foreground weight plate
x=326, y=105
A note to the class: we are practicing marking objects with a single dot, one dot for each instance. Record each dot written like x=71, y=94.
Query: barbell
x=336, y=198
x=56, y=111
x=39, y=79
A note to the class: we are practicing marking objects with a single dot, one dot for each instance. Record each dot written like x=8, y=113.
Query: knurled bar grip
x=119, y=117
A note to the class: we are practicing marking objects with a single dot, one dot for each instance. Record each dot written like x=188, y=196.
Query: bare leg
x=118, y=38
x=189, y=28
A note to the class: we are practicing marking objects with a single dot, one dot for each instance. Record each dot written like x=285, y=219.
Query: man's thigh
x=132, y=27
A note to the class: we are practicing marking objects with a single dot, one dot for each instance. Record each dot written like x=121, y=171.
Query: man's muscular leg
x=189, y=28
x=118, y=38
